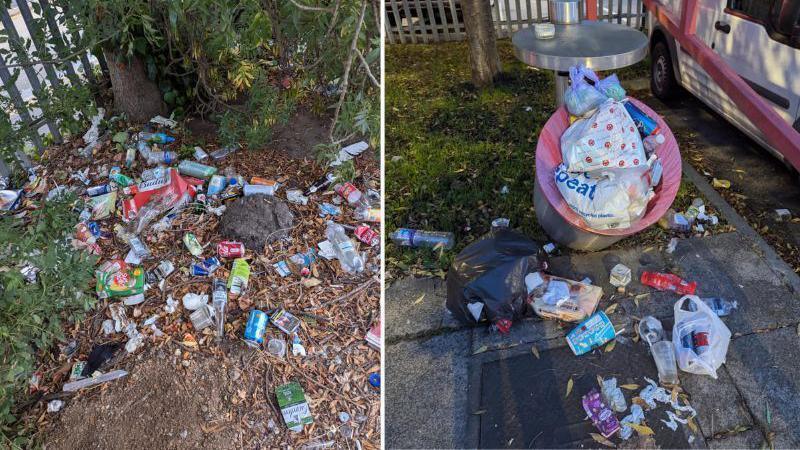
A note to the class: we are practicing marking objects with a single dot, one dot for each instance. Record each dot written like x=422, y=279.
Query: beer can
x=367, y=235
x=256, y=326
x=198, y=270
x=94, y=191
x=700, y=340
x=230, y=249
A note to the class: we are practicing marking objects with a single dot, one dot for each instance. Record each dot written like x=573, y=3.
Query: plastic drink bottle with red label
x=348, y=192
x=367, y=235
x=668, y=282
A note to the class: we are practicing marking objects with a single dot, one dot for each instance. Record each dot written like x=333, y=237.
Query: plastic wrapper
x=579, y=302
x=606, y=139
x=701, y=339
x=581, y=97
x=611, y=88
x=488, y=277
x=609, y=199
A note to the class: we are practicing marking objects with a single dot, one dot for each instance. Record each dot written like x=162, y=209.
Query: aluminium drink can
x=256, y=326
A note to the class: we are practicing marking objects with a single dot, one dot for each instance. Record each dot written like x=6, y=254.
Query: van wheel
x=662, y=77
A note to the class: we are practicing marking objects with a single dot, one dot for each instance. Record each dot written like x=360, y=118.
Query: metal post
x=562, y=83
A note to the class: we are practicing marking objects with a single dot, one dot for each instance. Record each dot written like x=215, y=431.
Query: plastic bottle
x=161, y=157
x=694, y=210
x=652, y=142
x=343, y=247
x=366, y=214
x=223, y=152
x=668, y=282
x=663, y=350
x=417, y=238
x=349, y=192
x=720, y=306
x=220, y=300
x=195, y=169
x=158, y=138
x=321, y=183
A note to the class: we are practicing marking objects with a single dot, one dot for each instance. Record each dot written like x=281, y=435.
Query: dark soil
x=298, y=138
x=256, y=220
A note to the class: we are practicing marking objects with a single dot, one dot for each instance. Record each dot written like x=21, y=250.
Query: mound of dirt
x=256, y=220
x=297, y=138
x=160, y=404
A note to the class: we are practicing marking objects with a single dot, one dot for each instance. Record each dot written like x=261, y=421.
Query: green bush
x=32, y=314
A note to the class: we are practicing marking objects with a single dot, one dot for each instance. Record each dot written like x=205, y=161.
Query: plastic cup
x=203, y=317
x=664, y=355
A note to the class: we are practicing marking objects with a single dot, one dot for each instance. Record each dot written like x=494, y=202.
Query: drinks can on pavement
x=256, y=326
x=230, y=249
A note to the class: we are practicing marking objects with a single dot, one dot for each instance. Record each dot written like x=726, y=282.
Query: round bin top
x=548, y=157
x=596, y=45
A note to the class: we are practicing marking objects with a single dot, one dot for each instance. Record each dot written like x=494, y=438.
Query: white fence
x=426, y=21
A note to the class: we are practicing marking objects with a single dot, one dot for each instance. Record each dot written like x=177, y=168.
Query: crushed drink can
x=230, y=249
x=206, y=267
x=94, y=191
x=346, y=189
x=256, y=326
x=200, y=154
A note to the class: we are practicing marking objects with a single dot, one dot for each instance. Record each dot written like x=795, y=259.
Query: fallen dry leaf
x=602, y=440
x=611, y=308
x=643, y=430
x=610, y=346
x=569, y=387
x=535, y=351
x=630, y=387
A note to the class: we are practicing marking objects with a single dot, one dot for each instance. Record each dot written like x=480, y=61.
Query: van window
x=781, y=18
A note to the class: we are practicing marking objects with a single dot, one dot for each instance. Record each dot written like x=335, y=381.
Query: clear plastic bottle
x=161, y=157
x=367, y=214
x=720, y=306
x=416, y=238
x=158, y=138
x=220, y=301
x=652, y=142
x=344, y=248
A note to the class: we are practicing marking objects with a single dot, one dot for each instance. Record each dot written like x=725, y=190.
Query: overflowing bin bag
x=606, y=199
x=606, y=139
x=487, y=279
x=581, y=97
x=700, y=338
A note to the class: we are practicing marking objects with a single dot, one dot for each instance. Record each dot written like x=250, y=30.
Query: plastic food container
x=561, y=223
x=544, y=30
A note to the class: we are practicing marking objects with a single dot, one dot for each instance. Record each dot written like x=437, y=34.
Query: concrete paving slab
x=414, y=307
x=524, y=400
x=718, y=404
x=426, y=392
x=745, y=439
x=765, y=370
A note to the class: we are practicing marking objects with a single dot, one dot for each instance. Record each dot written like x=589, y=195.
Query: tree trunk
x=482, y=41
x=135, y=95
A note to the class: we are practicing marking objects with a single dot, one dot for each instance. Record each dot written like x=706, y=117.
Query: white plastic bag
x=581, y=97
x=697, y=327
x=606, y=199
x=606, y=139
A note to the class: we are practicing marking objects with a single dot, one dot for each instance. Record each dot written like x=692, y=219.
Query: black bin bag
x=492, y=271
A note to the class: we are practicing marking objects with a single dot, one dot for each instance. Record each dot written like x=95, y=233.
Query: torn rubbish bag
x=487, y=279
